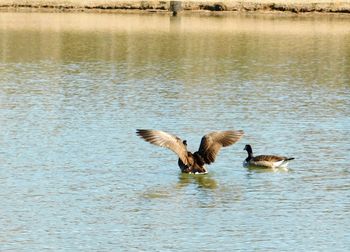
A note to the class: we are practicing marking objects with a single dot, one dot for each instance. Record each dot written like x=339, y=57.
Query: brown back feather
x=268, y=158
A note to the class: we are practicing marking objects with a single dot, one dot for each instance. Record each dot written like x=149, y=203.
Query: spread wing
x=211, y=143
x=163, y=139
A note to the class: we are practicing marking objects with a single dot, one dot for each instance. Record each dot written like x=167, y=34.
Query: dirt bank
x=294, y=6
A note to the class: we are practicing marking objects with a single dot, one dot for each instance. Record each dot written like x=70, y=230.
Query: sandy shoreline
x=287, y=6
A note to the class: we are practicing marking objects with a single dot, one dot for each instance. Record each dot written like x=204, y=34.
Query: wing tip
x=139, y=132
x=239, y=132
x=142, y=131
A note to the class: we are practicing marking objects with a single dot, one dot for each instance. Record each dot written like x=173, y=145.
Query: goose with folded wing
x=264, y=161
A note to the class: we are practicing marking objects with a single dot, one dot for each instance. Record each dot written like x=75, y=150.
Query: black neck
x=250, y=155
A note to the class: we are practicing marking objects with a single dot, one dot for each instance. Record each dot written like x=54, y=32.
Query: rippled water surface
x=75, y=177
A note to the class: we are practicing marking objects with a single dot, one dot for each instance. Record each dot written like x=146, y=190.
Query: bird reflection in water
x=255, y=169
x=202, y=180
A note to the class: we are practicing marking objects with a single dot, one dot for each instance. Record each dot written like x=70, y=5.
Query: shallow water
x=75, y=177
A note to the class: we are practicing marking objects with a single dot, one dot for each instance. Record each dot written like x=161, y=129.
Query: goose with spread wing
x=264, y=161
x=189, y=162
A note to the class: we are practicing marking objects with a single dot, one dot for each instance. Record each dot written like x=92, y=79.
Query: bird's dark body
x=196, y=164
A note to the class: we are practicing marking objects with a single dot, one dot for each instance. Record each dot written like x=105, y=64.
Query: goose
x=189, y=162
x=265, y=161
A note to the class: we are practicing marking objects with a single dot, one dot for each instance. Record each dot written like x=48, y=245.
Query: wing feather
x=164, y=139
x=268, y=158
x=212, y=143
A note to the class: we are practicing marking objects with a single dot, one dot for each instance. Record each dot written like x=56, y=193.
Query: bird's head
x=248, y=148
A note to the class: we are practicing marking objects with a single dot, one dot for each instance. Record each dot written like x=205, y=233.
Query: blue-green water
x=75, y=177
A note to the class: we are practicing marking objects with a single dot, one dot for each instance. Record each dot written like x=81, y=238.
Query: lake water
x=74, y=176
